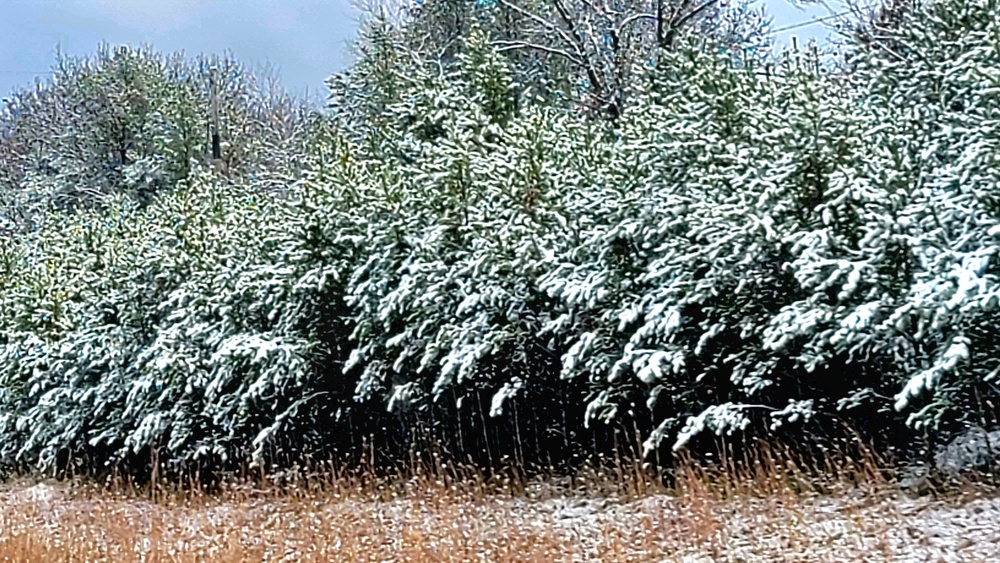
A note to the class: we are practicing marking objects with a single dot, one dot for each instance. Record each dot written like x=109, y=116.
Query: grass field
x=444, y=516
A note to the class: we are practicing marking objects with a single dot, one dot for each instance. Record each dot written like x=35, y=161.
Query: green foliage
x=743, y=249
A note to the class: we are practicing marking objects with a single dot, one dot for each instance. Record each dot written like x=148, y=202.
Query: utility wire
x=810, y=22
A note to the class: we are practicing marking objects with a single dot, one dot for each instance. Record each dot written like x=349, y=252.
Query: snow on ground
x=569, y=527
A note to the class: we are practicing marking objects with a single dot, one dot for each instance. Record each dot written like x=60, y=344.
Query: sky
x=303, y=41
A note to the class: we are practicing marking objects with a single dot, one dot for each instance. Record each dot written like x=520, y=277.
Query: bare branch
x=634, y=18
x=679, y=23
x=592, y=75
x=541, y=21
x=512, y=45
x=692, y=14
x=659, y=22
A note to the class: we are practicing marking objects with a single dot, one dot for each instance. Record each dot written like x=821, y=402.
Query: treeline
x=523, y=232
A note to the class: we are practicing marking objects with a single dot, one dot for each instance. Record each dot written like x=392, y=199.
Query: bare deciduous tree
x=586, y=50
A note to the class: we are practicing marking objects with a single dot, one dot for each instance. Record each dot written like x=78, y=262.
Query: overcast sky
x=304, y=40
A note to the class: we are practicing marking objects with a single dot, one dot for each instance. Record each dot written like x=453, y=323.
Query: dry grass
x=769, y=508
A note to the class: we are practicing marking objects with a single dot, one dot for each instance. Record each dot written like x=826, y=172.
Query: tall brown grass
x=767, y=504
